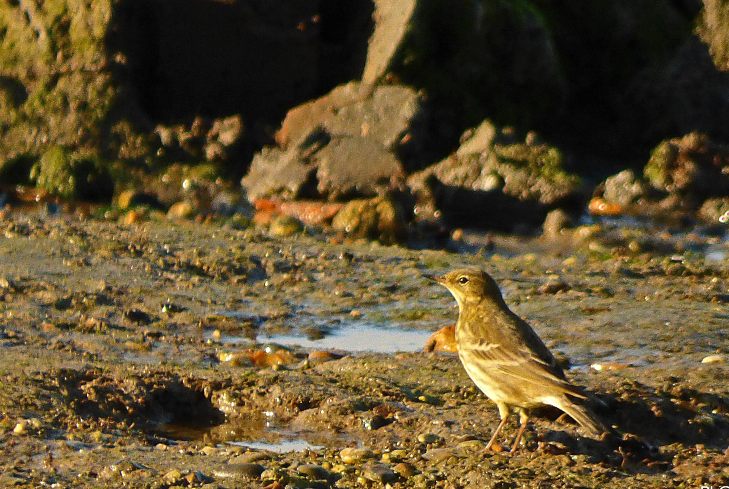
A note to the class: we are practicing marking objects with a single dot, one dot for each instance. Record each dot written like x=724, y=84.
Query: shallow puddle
x=361, y=337
x=283, y=446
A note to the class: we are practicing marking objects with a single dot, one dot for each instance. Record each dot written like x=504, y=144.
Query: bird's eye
x=463, y=280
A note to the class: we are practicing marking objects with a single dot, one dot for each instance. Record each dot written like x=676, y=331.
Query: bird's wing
x=517, y=361
x=503, y=344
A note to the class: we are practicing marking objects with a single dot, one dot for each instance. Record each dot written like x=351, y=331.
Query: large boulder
x=349, y=143
x=464, y=53
x=496, y=181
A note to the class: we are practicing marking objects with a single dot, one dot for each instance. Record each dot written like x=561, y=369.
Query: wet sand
x=121, y=360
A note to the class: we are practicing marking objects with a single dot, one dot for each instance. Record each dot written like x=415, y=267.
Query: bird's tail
x=584, y=416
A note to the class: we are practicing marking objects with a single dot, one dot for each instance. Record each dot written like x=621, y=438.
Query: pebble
x=250, y=457
x=21, y=428
x=405, y=469
x=245, y=470
x=436, y=455
x=172, y=476
x=208, y=450
x=283, y=226
x=313, y=471
x=429, y=438
x=354, y=455
x=714, y=359
x=608, y=366
x=379, y=472
x=472, y=444
x=180, y=210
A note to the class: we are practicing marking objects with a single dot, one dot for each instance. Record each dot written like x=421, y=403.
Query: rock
x=251, y=471
x=601, y=207
x=714, y=210
x=250, y=457
x=497, y=186
x=379, y=472
x=623, y=188
x=321, y=356
x=478, y=140
x=133, y=198
x=555, y=223
x=380, y=218
x=313, y=471
x=442, y=340
x=347, y=143
x=713, y=359
x=353, y=166
x=311, y=213
x=515, y=79
x=437, y=455
x=172, y=476
x=405, y=470
x=227, y=131
x=692, y=166
x=553, y=286
x=384, y=114
x=712, y=27
x=284, y=174
x=181, y=210
x=430, y=438
x=355, y=455
x=283, y=226
x=72, y=176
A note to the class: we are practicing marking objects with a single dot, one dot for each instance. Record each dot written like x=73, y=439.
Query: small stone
x=554, y=286
x=714, y=359
x=355, y=455
x=429, y=438
x=436, y=455
x=250, y=457
x=21, y=428
x=405, y=470
x=472, y=444
x=180, y=210
x=313, y=471
x=282, y=226
x=209, y=450
x=555, y=223
x=245, y=470
x=378, y=472
x=608, y=366
x=172, y=476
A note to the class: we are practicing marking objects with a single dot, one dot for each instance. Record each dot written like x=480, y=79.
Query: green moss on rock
x=72, y=176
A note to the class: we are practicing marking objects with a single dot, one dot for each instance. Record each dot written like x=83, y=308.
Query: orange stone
x=442, y=340
x=600, y=207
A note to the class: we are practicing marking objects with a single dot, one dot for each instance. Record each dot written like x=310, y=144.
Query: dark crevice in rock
x=202, y=57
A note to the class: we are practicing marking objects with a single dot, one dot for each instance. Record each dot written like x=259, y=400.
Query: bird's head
x=470, y=285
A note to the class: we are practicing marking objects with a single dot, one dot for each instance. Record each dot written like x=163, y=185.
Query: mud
x=112, y=342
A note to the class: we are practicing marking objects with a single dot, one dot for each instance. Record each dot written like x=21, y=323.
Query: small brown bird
x=506, y=359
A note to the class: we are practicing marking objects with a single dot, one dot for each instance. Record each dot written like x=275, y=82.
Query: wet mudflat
x=161, y=355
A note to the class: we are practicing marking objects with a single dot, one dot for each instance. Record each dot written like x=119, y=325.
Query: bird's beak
x=435, y=278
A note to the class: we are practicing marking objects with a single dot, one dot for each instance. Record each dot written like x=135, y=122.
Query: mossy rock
x=692, y=165
x=72, y=176
x=380, y=218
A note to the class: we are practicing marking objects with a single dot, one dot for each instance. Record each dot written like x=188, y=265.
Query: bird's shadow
x=645, y=419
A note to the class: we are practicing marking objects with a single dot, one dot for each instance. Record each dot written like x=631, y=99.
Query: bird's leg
x=504, y=414
x=523, y=419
